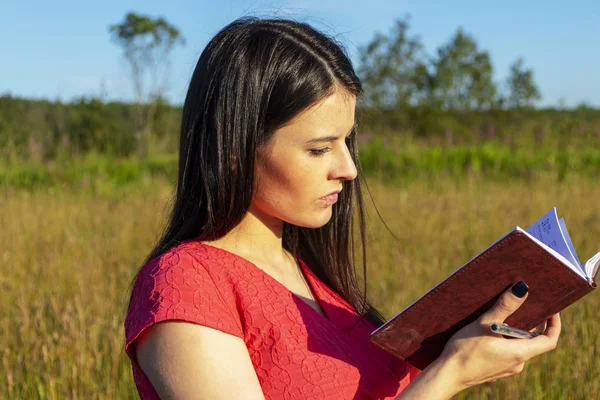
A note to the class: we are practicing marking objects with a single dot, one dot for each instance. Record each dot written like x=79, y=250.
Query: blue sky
x=62, y=49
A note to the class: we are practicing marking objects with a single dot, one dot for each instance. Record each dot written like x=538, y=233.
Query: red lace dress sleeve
x=176, y=286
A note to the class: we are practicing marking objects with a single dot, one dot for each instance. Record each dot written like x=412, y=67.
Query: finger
x=540, y=329
x=546, y=341
x=553, y=327
x=506, y=304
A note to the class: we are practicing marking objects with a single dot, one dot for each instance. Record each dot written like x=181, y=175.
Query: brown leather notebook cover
x=419, y=333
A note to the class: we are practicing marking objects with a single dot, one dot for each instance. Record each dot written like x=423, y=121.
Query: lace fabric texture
x=296, y=352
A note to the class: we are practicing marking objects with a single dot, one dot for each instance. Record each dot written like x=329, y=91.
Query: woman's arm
x=474, y=354
x=189, y=361
x=437, y=381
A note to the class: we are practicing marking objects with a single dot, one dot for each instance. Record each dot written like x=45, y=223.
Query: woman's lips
x=330, y=199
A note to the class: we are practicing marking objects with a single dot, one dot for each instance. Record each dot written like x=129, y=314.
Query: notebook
x=543, y=256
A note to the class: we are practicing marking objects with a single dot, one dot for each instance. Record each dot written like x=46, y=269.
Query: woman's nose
x=345, y=168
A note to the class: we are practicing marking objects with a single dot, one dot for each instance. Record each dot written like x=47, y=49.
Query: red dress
x=296, y=352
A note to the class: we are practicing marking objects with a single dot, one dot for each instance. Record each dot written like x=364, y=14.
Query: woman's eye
x=318, y=152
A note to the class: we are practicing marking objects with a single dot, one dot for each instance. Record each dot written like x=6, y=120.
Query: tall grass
x=68, y=257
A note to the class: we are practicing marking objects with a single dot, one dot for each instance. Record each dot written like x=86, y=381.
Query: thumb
x=507, y=303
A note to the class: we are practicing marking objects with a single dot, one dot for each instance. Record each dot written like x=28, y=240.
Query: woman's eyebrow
x=329, y=138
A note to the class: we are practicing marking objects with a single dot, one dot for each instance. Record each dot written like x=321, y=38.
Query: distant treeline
x=42, y=130
x=39, y=130
x=446, y=98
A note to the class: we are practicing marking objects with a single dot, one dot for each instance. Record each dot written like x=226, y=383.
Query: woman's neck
x=257, y=239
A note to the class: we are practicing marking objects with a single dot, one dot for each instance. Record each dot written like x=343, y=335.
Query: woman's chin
x=316, y=221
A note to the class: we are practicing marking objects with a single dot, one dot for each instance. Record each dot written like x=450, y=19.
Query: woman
x=251, y=291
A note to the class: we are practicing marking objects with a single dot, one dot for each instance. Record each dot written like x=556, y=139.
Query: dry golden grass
x=67, y=261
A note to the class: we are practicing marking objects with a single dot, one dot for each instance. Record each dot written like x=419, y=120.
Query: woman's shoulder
x=187, y=260
x=189, y=282
x=185, y=272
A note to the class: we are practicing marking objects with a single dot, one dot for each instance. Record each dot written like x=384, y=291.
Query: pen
x=506, y=330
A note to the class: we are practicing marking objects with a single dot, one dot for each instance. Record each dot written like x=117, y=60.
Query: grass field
x=68, y=258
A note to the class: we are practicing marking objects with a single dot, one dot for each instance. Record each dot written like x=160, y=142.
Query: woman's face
x=305, y=161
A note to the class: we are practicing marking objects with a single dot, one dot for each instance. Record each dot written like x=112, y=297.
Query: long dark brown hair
x=254, y=76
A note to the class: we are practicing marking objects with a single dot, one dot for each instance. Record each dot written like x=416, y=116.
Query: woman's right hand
x=475, y=354
x=478, y=355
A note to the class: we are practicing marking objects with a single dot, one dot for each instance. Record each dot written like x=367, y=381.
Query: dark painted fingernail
x=520, y=289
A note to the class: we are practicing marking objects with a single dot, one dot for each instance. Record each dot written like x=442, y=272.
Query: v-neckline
x=306, y=273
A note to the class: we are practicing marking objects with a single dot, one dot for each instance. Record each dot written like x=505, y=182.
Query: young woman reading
x=251, y=292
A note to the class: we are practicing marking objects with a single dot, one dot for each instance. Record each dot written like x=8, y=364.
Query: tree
x=463, y=77
x=522, y=90
x=393, y=68
x=147, y=44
